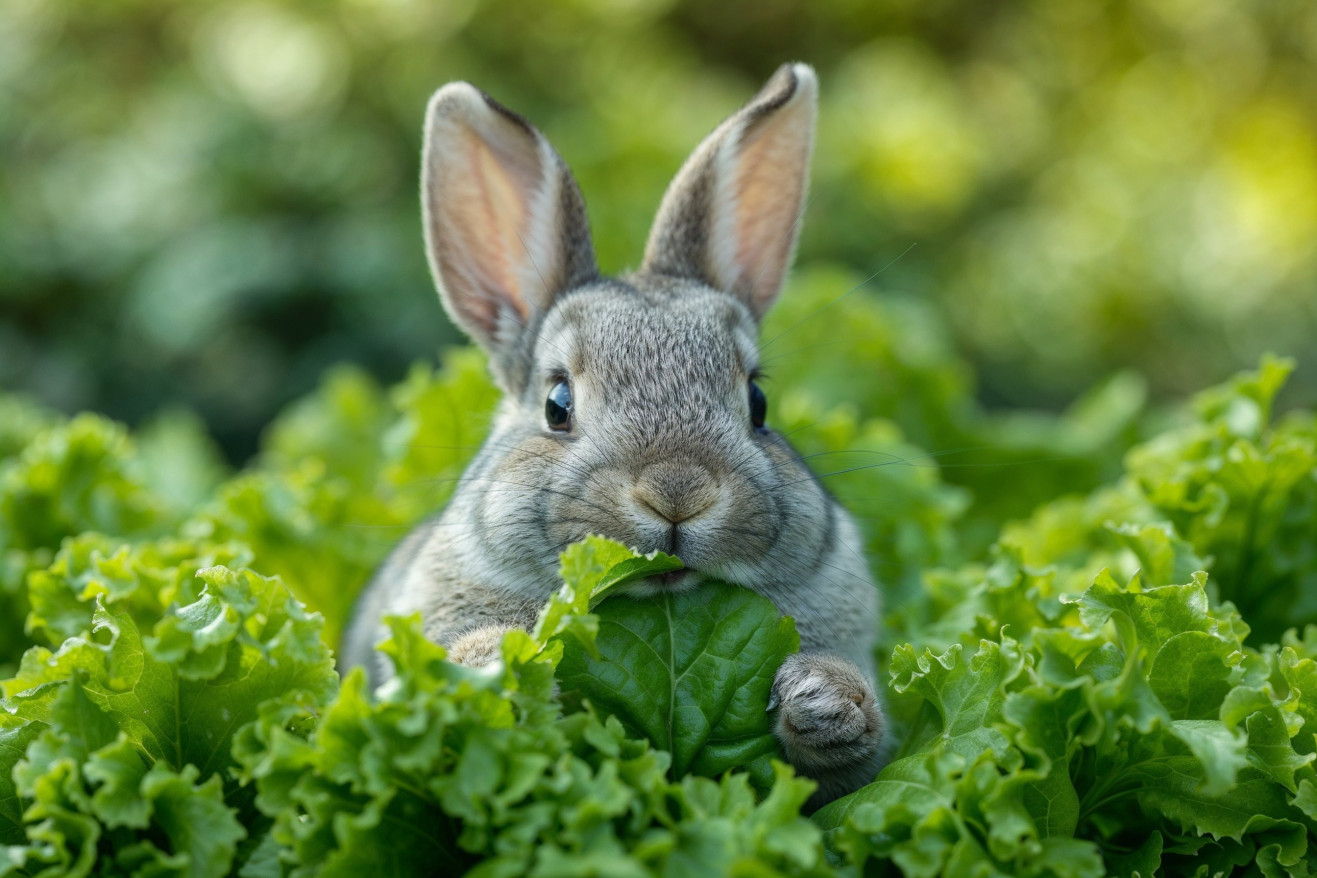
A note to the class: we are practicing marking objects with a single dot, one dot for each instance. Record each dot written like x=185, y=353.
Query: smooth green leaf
x=691, y=672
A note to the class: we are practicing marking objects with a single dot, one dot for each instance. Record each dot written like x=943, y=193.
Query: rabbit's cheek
x=593, y=502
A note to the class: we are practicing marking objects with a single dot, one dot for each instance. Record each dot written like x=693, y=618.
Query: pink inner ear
x=769, y=189
x=490, y=213
x=485, y=198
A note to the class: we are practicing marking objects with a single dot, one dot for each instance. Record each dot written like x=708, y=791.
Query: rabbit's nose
x=675, y=492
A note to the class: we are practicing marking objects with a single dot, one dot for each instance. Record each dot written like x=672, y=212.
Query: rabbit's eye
x=558, y=407
x=758, y=406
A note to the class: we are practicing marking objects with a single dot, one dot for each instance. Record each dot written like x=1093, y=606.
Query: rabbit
x=630, y=409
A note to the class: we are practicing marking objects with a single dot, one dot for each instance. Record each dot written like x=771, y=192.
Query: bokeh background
x=205, y=204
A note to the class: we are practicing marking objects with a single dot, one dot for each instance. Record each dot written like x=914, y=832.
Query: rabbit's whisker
x=778, y=439
x=506, y=446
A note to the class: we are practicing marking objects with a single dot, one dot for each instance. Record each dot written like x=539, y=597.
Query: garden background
x=204, y=204
x=1042, y=238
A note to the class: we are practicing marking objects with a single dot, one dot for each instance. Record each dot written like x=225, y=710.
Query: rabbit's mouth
x=663, y=583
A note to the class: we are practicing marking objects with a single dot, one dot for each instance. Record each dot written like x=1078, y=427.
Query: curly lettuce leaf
x=477, y=770
x=591, y=570
x=1234, y=492
x=145, y=578
x=81, y=475
x=15, y=736
x=121, y=739
x=1142, y=732
x=344, y=474
x=1082, y=700
x=91, y=788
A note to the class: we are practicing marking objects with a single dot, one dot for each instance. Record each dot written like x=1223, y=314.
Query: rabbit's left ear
x=730, y=217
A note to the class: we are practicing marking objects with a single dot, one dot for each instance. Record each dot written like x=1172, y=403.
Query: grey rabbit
x=630, y=409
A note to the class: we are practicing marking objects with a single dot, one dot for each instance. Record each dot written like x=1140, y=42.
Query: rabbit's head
x=631, y=408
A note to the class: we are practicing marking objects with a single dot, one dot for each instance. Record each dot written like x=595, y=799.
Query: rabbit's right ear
x=505, y=225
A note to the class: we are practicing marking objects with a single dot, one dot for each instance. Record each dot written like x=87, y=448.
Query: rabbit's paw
x=478, y=647
x=829, y=722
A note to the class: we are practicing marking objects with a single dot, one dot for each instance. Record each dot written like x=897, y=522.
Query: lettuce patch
x=1125, y=683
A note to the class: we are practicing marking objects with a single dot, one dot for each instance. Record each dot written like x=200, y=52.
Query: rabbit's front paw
x=828, y=721
x=478, y=647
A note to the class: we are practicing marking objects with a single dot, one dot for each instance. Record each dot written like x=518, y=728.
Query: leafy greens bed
x=1124, y=683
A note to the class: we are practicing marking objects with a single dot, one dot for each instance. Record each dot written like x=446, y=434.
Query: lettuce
x=83, y=475
x=1145, y=723
x=1071, y=721
x=1236, y=487
x=481, y=771
x=690, y=672
x=1125, y=683
x=117, y=747
x=346, y=472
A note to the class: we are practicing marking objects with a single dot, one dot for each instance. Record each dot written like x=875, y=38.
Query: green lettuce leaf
x=1033, y=756
x=126, y=732
x=691, y=672
x=81, y=475
x=480, y=770
x=456, y=769
x=1123, y=685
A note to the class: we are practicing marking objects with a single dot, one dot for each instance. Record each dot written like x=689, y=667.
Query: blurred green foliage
x=206, y=203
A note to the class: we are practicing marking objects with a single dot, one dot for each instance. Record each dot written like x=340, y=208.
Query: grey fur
x=661, y=453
